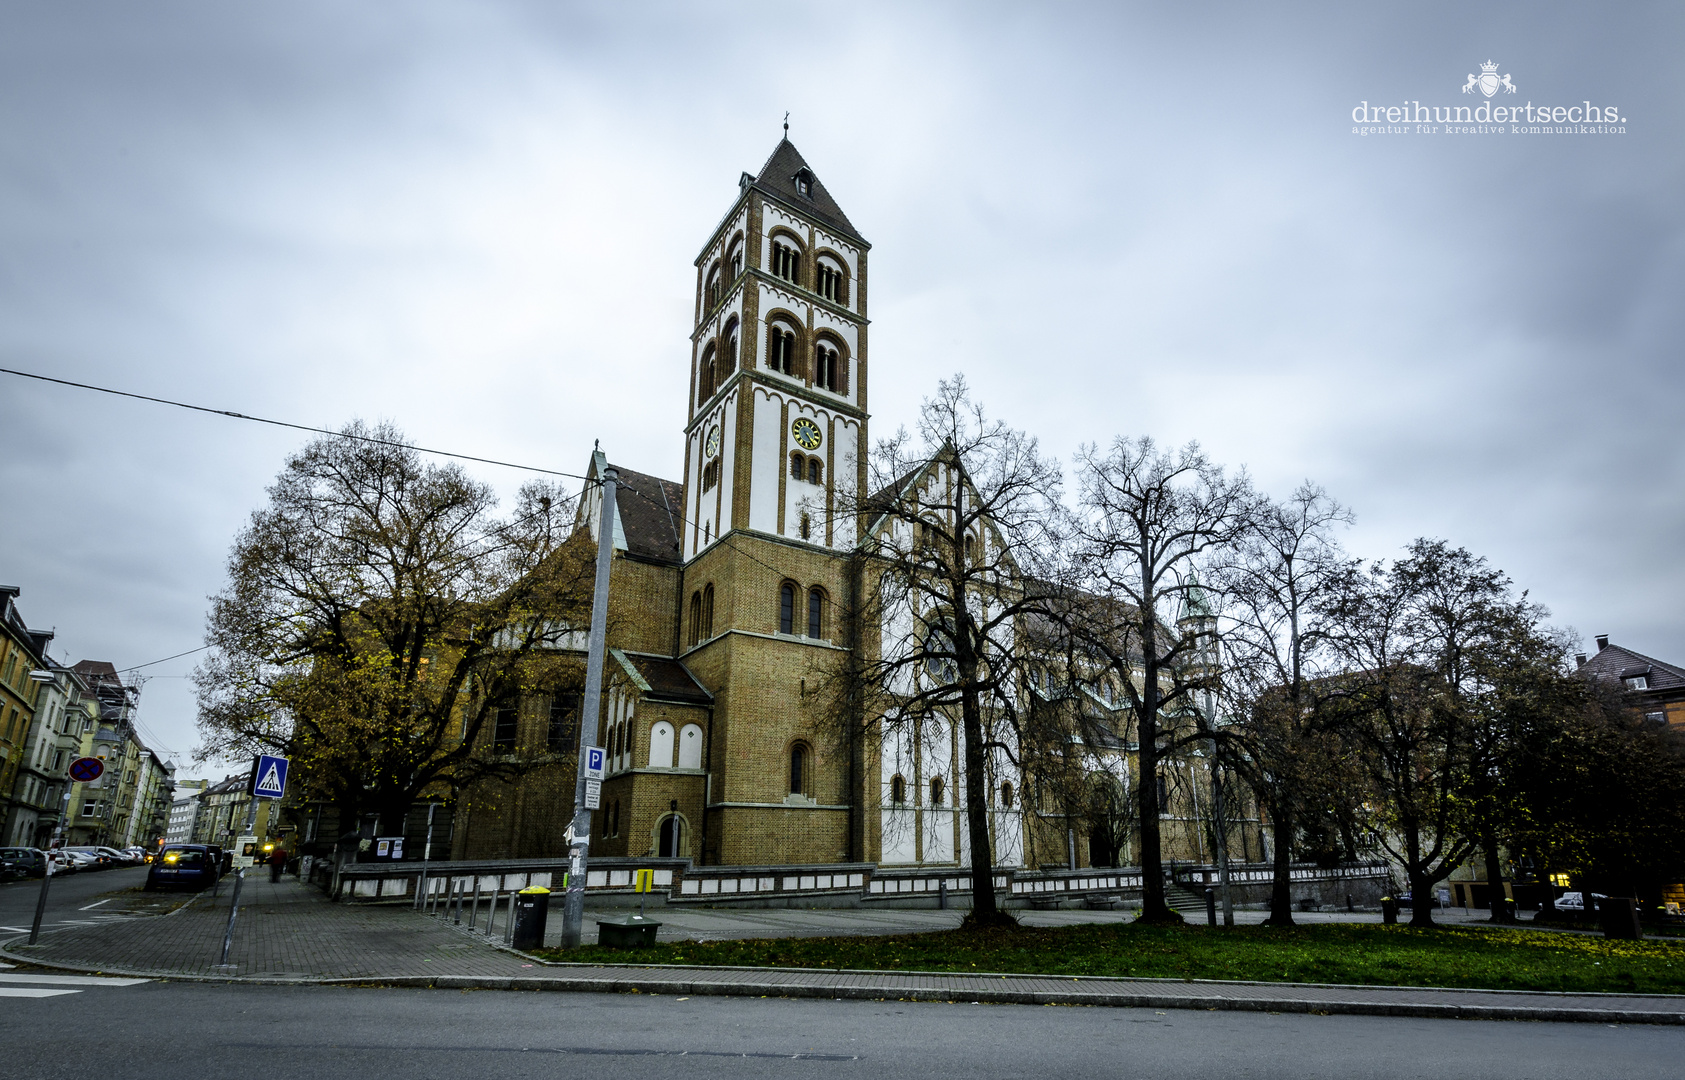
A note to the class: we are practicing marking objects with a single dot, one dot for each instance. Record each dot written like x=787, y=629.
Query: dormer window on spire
x=804, y=184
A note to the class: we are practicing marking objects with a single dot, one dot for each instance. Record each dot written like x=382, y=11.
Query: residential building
x=185, y=808
x=23, y=661
x=1654, y=687
x=43, y=781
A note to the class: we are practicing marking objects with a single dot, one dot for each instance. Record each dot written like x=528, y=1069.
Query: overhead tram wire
x=345, y=435
x=287, y=424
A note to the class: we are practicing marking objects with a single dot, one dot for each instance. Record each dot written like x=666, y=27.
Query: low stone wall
x=1313, y=887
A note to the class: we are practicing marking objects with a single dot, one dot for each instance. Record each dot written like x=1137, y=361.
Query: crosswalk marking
x=32, y=992
x=71, y=980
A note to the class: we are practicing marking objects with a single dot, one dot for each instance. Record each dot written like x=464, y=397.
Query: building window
x=798, y=466
x=695, y=618
x=705, y=377
x=781, y=349
x=815, y=609
x=799, y=769
x=938, y=791
x=711, y=293
x=736, y=259
x=897, y=789
x=804, y=184
x=710, y=475
x=1006, y=796
x=806, y=528
x=787, y=609
x=506, y=721
x=830, y=282
x=815, y=471
x=564, y=709
x=708, y=611
x=1638, y=682
x=785, y=261
x=729, y=365
x=828, y=372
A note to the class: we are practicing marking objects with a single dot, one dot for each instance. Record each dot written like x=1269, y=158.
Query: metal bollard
x=491, y=908
x=942, y=895
x=1210, y=906
x=474, y=908
x=509, y=926
x=461, y=888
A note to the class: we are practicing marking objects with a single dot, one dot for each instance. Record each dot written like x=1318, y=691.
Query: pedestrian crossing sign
x=269, y=777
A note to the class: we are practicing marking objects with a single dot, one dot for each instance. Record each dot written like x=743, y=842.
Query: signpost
x=268, y=780
x=83, y=771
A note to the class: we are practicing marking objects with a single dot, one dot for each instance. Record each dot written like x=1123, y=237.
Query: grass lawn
x=1497, y=959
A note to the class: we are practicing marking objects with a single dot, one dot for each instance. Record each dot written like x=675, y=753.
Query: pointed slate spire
x=787, y=177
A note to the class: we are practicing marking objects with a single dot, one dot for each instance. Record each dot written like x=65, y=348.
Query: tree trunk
x=983, y=910
x=1281, y=888
x=1153, y=906
x=1421, y=904
x=1494, y=878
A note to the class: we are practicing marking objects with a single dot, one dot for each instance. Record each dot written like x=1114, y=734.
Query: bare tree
x=378, y=613
x=1147, y=516
x=960, y=522
x=1278, y=586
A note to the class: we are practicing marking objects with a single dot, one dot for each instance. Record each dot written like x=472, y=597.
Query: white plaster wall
x=766, y=462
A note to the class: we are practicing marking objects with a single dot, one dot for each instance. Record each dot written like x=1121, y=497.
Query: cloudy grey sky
x=478, y=219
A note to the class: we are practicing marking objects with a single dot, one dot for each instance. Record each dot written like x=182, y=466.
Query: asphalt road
x=82, y=897
x=204, y=1030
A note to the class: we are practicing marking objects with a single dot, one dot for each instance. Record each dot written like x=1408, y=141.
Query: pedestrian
x=277, y=862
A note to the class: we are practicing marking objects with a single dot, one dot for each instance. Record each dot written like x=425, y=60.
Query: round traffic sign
x=84, y=769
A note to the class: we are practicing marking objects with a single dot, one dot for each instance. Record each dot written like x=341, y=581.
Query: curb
x=662, y=984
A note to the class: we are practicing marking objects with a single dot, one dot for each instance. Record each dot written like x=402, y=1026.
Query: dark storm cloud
x=479, y=219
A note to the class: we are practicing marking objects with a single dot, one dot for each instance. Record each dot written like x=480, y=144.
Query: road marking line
x=71, y=980
x=16, y=929
x=95, y=904
x=32, y=992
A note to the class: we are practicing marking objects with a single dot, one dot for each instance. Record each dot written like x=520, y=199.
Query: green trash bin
x=626, y=932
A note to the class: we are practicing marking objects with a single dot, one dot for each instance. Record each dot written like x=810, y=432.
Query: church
x=730, y=589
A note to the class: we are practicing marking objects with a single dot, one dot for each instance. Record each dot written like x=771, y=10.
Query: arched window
x=938, y=791
x=735, y=259
x=708, y=611
x=829, y=283
x=806, y=528
x=787, y=609
x=1006, y=796
x=969, y=550
x=828, y=370
x=690, y=747
x=661, y=745
x=729, y=362
x=695, y=617
x=798, y=466
x=711, y=292
x=815, y=470
x=897, y=789
x=705, y=376
x=786, y=262
x=815, y=612
x=781, y=349
x=799, y=769
x=939, y=652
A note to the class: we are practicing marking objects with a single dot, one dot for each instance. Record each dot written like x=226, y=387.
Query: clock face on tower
x=712, y=447
x=806, y=433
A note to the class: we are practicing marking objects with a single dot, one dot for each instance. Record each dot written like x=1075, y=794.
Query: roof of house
x=1618, y=662
x=651, y=515
x=778, y=179
x=663, y=678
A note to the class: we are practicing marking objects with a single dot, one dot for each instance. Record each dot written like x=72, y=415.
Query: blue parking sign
x=594, y=762
x=269, y=777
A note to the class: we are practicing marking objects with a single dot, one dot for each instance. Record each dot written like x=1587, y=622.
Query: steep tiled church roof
x=651, y=515
x=778, y=179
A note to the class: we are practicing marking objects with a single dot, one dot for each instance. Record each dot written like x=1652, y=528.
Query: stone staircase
x=1185, y=900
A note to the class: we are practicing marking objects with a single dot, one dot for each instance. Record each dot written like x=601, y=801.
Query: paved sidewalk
x=288, y=932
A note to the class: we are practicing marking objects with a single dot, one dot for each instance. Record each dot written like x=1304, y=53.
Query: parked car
x=119, y=856
x=83, y=860
x=62, y=861
x=183, y=865
x=1573, y=901
x=18, y=862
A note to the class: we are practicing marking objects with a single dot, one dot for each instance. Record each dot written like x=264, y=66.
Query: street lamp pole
x=573, y=909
